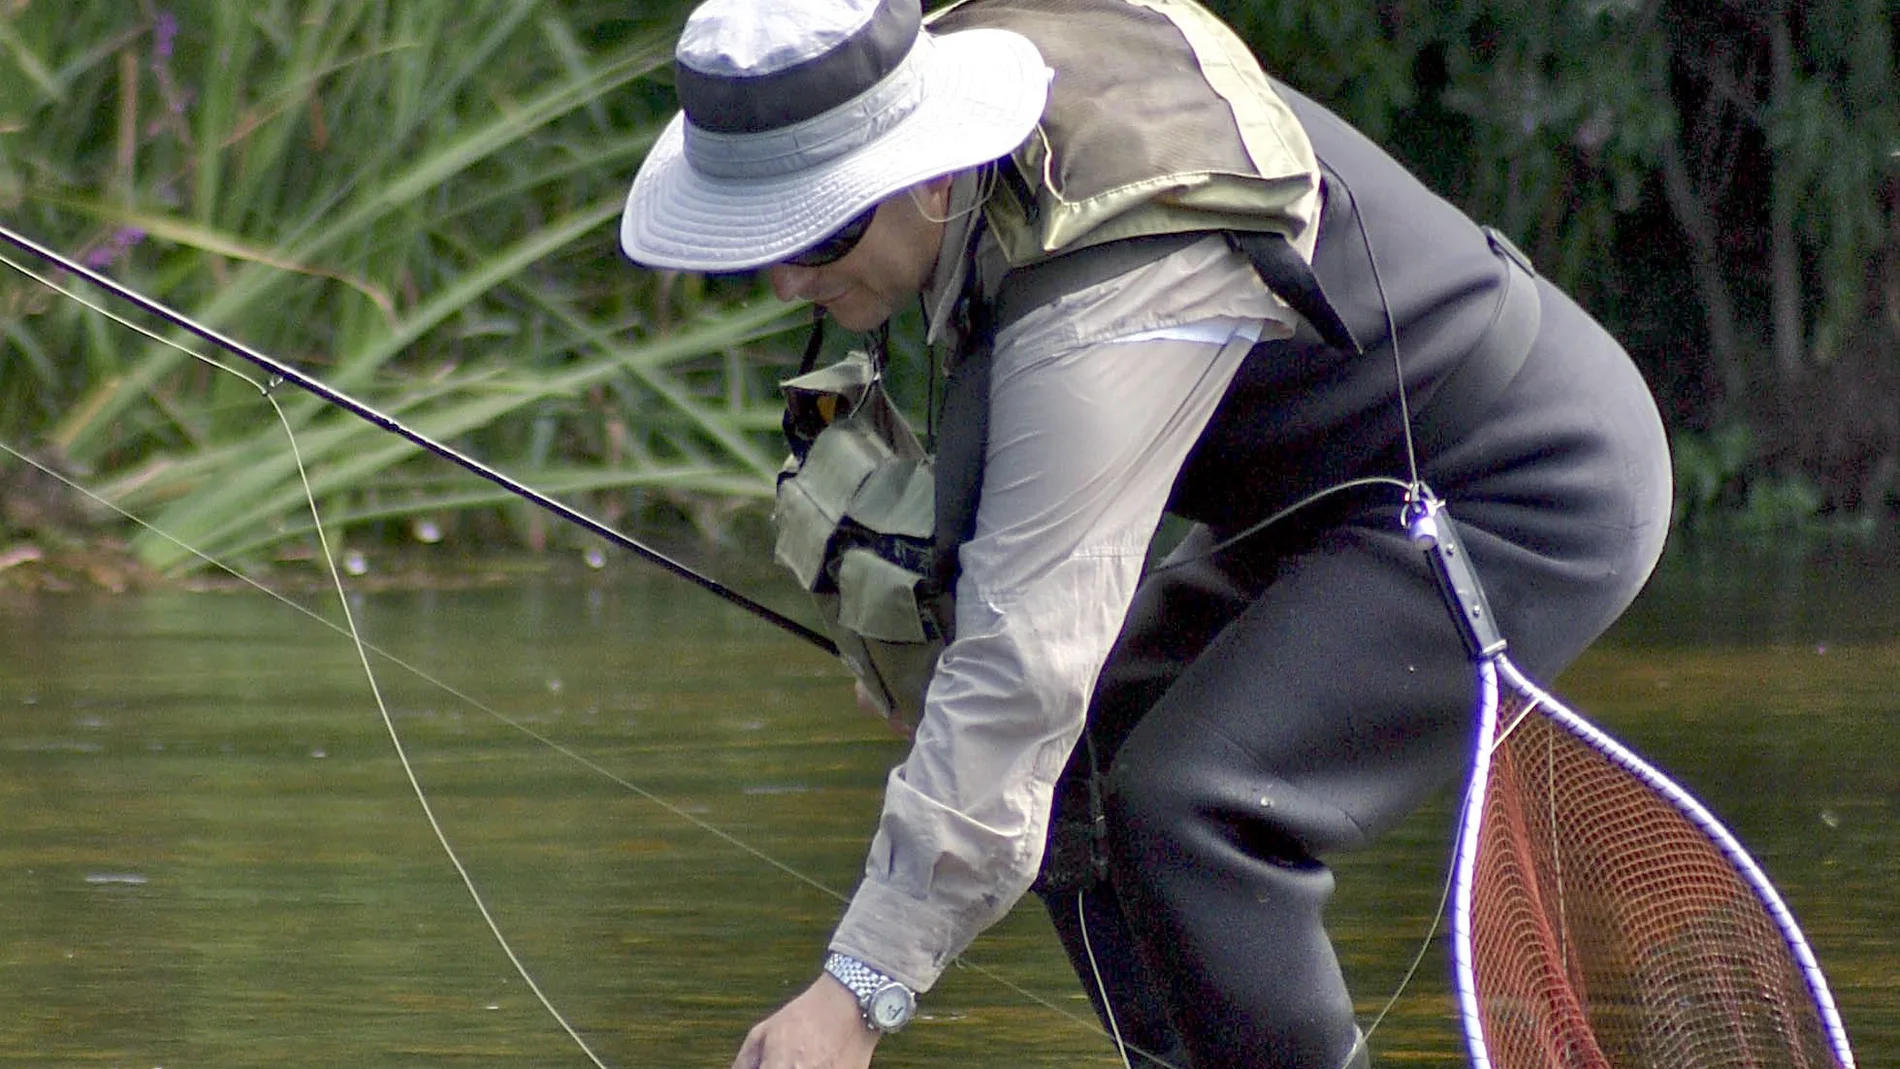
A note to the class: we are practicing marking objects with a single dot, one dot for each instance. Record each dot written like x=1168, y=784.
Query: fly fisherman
x=1163, y=282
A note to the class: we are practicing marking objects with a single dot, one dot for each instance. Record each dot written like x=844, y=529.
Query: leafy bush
x=416, y=203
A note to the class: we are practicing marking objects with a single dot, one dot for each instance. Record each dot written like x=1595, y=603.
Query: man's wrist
x=884, y=1004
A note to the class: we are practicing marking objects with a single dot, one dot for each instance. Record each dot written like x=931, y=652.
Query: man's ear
x=932, y=196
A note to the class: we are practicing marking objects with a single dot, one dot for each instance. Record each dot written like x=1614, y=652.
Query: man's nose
x=791, y=282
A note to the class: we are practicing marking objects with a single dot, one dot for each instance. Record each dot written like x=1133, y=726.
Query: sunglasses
x=838, y=245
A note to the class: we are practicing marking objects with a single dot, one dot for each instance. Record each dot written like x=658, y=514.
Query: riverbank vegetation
x=416, y=203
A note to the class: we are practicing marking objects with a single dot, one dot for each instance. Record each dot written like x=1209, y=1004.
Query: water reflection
x=211, y=854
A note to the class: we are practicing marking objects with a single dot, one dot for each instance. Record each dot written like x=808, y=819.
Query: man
x=1165, y=267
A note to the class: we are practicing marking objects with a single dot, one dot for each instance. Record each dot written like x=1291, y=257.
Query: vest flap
x=814, y=497
x=804, y=532
x=877, y=599
x=847, y=379
x=842, y=458
x=898, y=499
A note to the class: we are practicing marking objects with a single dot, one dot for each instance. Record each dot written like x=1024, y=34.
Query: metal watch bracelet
x=885, y=1004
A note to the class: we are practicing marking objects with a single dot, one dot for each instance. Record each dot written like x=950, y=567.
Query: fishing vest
x=1160, y=128
x=1302, y=414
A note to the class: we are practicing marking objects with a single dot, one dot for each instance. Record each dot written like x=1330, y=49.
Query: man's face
x=890, y=264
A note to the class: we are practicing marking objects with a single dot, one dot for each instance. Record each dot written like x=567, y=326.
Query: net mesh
x=1610, y=932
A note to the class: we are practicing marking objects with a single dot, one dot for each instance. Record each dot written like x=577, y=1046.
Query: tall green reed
x=415, y=202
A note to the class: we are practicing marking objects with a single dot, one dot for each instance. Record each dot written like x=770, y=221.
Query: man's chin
x=855, y=317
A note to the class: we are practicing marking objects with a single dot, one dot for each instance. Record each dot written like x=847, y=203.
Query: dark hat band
x=726, y=104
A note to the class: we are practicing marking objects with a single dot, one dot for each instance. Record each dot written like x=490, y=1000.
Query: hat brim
x=983, y=93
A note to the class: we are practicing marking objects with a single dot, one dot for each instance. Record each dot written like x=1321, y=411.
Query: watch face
x=891, y=1006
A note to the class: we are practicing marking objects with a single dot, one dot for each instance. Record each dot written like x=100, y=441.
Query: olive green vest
x=1159, y=121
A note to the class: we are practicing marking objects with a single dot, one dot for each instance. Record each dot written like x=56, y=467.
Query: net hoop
x=1498, y=672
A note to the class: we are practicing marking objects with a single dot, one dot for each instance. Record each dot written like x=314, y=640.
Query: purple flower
x=164, y=38
x=164, y=32
x=115, y=247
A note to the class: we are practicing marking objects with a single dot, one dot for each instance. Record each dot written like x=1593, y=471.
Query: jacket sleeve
x=1095, y=402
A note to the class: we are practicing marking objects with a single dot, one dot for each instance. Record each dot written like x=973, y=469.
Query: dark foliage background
x=1716, y=179
x=416, y=201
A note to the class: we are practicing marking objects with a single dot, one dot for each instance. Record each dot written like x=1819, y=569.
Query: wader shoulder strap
x=963, y=432
x=1291, y=278
x=1280, y=267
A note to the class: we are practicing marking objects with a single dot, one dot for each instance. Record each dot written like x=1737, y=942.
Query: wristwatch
x=886, y=1004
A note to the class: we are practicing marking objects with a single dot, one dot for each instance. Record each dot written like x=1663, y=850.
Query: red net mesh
x=1609, y=930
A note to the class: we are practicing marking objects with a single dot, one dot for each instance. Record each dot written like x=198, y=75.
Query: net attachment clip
x=1430, y=527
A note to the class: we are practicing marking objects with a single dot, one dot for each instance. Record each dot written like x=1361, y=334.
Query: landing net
x=1603, y=919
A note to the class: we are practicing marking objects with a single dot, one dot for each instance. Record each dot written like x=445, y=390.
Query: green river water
x=210, y=854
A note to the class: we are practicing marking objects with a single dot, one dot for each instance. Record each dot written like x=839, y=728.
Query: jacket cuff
x=899, y=936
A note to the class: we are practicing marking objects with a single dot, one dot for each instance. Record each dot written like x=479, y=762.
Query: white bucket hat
x=800, y=114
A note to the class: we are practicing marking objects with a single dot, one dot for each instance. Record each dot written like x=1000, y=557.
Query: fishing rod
x=286, y=373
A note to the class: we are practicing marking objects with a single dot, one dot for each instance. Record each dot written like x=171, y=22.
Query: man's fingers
x=869, y=703
x=751, y=1051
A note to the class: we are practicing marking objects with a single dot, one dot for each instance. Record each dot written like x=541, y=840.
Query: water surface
x=211, y=855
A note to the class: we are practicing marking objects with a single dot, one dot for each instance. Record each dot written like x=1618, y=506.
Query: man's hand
x=820, y=1029
x=868, y=703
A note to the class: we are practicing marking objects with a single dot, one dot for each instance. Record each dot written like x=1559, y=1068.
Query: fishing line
x=363, y=647
x=357, y=643
x=1095, y=970
x=395, y=740
x=671, y=808
x=1414, y=491
x=1308, y=501
x=450, y=689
